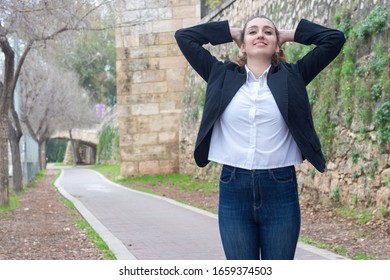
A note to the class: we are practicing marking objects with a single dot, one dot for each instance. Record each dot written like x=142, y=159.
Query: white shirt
x=251, y=133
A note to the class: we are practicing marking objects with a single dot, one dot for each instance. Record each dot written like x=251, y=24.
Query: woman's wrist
x=236, y=35
x=286, y=36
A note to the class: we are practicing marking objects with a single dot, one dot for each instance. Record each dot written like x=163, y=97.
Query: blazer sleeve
x=329, y=43
x=191, y=40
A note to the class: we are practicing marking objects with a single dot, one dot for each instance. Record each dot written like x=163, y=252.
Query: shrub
x=375, y=22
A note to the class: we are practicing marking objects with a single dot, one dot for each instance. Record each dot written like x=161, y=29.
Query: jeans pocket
x=227, y=175
x=282, y=175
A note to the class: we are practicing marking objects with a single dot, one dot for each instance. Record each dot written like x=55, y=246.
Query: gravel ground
x=42, y=228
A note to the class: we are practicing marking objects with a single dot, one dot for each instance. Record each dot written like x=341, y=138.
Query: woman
x=257, y=122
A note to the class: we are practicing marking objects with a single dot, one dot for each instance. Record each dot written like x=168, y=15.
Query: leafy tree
x=92, y=56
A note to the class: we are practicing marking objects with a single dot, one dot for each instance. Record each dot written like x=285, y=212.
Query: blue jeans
x=259, y=213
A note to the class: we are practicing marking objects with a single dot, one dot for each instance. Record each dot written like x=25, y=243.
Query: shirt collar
x=250, y=77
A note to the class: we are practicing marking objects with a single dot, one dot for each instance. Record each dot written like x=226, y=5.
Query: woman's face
x=260, y=39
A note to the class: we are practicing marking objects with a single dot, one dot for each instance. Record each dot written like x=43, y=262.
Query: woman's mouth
x=260, y=43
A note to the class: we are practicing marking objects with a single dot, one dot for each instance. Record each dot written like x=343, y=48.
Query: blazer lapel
x=277, y=82
x=234, y=79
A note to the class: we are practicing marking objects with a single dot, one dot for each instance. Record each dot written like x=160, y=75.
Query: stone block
x=137, y=65
x=158, y=51
x=174, y=50
x=184, y=11
x=148, y=39
x=174, y=3
x=166, y=38
x=170, y=122
x=131, y=16
x=172, y=62
x=122, y=53
x=160, y=87
x=127, y=125
x=145, y=109
x=146, y=76
x=135, y=5
x=139, y=52
x=167, y=25
x=149, y=123
x=176, y=74
x=175, y=87
x=142, y=27
x=145, y=138
x=141, y=88
x=129, y=168
x=167, y=137
x=169, y=166
x=170, y=107
x=149, y=167
x=129, y=41
x=165, y=13
x=126, y=140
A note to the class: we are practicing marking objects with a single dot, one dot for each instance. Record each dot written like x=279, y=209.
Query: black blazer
x=287, y=82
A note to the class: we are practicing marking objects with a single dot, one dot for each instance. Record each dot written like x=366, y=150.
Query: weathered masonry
x=150, y=80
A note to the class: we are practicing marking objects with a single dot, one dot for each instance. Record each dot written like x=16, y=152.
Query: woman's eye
x=252, y=32
x=268, y=32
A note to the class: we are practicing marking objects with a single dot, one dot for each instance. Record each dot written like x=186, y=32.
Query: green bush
x=375, y=22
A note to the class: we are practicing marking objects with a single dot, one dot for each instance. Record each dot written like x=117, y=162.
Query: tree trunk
x=5, y=95
x=42, y=155
x=4, y=181
x=17, y=175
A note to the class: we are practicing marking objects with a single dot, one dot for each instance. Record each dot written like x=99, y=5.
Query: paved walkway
x=137, y=225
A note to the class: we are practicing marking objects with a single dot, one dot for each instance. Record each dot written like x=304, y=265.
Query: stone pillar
x=150, y=82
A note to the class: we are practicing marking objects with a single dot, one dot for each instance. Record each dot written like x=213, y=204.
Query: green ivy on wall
x=354, y=90
x=108, y=147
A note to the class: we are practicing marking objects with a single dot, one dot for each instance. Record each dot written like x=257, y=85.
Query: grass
x=361, y=216
x=14, y=197
x=341, y=250
x=13, y=202
x=145, y=190
x=111, y=171
x=58, y=164
x=179, y=181
x=309, y=241
x=362, y=256
x=93, y=236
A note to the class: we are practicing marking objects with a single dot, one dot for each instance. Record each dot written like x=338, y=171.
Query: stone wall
x=346, y=179
x=150, y=82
